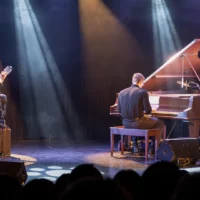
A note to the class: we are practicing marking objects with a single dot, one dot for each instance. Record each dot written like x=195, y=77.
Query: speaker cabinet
x=179, y=150
x=5, y=141
x=15, y=169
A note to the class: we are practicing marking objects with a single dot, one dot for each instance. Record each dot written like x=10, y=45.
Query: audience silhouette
x=161, y=180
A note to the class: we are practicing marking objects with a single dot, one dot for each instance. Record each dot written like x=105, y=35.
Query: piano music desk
x=120, y=130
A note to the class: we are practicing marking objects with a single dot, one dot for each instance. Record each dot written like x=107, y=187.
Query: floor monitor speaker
x=15, y=169
x=183, y=151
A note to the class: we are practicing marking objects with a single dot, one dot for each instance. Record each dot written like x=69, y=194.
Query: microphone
x=190, y=54
x=183, y=83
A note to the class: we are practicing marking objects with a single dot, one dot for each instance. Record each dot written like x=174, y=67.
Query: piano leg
x=194, y=128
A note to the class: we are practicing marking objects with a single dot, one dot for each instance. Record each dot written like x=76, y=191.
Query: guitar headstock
x=7, y=70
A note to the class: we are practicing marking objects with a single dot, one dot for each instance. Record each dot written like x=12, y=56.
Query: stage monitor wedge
x=183, y=151
x=14, y=168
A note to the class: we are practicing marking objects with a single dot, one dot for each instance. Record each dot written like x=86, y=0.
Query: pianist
x=135, y=109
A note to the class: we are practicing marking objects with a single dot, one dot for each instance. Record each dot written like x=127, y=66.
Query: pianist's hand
x=147, y=116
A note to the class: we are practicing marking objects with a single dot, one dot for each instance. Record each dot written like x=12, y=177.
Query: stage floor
x=50, y=160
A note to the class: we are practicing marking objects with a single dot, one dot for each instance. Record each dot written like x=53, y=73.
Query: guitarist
x=3, y=97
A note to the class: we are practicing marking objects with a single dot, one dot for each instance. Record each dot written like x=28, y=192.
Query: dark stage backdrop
x=97, y=46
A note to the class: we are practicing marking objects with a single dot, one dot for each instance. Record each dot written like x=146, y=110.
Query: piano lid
x=185, y=63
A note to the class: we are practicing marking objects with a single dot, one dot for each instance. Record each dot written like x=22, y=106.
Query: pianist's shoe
x=151, y=151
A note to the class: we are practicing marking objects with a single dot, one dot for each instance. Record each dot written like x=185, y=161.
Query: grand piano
x=174, y=90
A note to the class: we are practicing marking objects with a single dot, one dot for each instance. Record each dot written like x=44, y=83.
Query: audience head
x=10, y=187
x=39, y=189
x=131, y=181
x=161, y=175
x=61, y=183
x=91, y=189
x=188, y=187
x=85, y=171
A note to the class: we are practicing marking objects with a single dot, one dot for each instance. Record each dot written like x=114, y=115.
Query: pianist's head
x=138, y=79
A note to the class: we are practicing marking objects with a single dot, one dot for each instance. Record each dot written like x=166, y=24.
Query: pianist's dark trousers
x=144, y=123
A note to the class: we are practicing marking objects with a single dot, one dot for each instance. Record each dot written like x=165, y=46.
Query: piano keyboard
x=164, y=112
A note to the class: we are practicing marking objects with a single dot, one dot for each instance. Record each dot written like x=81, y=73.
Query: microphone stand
x=183, y=65
x=196, y=84
x=182, y=79
x=192, y=67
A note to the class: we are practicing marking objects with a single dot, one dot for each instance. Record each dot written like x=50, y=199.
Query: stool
x=120, y=130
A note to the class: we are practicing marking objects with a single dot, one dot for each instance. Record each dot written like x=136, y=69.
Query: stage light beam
x=165, y=37
x=44, y=97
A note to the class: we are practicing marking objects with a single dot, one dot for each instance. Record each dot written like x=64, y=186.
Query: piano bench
x=120, y=130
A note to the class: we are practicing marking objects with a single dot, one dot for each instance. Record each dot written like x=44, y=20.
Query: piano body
x=174, y=91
